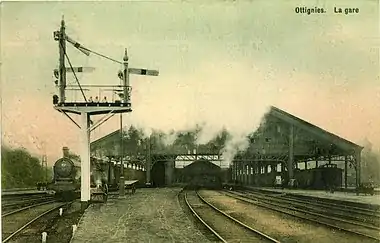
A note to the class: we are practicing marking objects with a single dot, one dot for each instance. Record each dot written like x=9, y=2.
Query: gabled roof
x=313, y=129
x=290, y=119
x=99, y=140
x=198, y=165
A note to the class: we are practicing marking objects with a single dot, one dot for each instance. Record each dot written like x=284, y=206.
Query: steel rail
x=293, y=197
x=202, y=221
x=237, y=221
x=31, y=221
x=25, y=208
x=260, y=234
x=21, y=202
x=266, y=205
x=336, y=218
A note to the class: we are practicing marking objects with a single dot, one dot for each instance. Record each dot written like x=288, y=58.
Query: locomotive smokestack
x=65, y=151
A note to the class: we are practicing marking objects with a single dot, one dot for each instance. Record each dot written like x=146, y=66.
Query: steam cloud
x=208, y=102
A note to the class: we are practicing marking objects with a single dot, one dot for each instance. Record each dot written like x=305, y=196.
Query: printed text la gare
x=346, y=10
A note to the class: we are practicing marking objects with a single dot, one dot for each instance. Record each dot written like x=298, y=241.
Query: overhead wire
x=101, y=55
x=91, y=51
x=72, y=69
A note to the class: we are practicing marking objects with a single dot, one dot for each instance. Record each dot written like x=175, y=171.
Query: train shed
x=284, y=142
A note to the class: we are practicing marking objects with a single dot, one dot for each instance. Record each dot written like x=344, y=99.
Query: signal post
x=86, y=108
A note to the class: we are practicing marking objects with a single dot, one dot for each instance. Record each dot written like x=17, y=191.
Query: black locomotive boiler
x=66, y=179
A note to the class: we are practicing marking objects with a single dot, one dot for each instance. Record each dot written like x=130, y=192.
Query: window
x=278, y=167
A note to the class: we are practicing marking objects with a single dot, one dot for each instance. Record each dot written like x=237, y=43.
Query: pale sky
x=221, y=63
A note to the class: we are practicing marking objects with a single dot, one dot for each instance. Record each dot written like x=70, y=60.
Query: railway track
x=357, y=215
x=17, y=202
x=324, y=214
x=14, y=222
x=223, y=226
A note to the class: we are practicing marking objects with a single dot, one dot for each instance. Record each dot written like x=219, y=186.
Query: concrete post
x=85, y=160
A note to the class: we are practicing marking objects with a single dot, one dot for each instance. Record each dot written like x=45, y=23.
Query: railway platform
x=337, y=195
x=148, y=215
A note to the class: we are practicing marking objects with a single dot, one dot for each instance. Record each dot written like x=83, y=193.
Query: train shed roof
x=287, y=118
x=314, y=130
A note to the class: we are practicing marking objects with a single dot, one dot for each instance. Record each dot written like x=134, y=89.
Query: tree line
x=19, y=169
x=370, y=167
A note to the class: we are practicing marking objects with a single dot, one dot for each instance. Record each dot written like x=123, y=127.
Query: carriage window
x=278, y=167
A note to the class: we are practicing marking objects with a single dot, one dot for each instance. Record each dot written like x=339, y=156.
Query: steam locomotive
x=67, y=181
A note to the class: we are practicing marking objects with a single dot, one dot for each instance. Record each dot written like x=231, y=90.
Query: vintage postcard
x=190, y=121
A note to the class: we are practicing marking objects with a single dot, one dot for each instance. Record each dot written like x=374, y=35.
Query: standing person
x=133, y=189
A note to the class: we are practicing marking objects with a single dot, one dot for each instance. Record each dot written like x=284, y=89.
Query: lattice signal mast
x=87, y=106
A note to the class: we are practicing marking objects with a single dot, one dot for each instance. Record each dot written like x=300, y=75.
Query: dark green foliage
x=370, y=167
x=19, y=169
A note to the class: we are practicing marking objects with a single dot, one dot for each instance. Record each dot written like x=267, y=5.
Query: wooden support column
x=245, y=174
x=148, y=160
x=251, y=173
x=233, y=171
x=358, y=169
x=241, y=173
x=305, y=165
x=291, y=152
x=345, y=171
x=236, y=171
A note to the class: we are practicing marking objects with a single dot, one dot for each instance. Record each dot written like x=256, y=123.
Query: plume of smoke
x=207, y=102
x=169, y=138
x=232, y=146
x=239, y=141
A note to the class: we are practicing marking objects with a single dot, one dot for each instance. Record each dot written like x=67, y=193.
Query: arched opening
x=158, y=174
